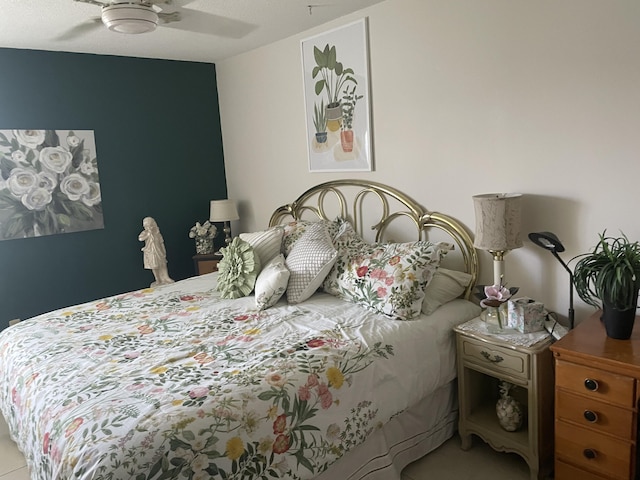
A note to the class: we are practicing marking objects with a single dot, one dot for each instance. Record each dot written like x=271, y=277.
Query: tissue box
x=526, y=315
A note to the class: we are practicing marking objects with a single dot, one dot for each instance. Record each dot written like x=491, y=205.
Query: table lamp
x=497, y=227
x=224, y=211
x=550, y=242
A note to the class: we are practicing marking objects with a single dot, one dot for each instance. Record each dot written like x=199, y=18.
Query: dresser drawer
x=593, y=414
x=605, y=386
x=496, y=358
x=564, y=471
x=611, y=456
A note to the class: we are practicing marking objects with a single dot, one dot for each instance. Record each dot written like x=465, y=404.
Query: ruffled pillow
x=387, y=278
x=271, y=283
x=238, y=269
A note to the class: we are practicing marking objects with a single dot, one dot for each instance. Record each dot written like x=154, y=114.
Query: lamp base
x=498, y=266
x=227, y=233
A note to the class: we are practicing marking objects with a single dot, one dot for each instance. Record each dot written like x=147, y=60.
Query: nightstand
x=524, y=360
x=597, y=393
x=206, y=263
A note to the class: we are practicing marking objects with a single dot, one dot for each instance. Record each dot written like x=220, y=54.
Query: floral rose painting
x=48, y=183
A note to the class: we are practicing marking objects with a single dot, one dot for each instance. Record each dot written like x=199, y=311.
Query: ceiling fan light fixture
x=129, y=18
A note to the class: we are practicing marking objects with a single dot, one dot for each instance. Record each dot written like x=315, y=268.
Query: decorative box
x=526, y=315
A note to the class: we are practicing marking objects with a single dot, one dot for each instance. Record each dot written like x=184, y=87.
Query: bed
x=177, y=382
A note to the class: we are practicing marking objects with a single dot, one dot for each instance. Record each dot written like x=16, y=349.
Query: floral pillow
x=271, y=283
x=238, y=269
x=309, y=262
x=445, y=286
x=387, y=278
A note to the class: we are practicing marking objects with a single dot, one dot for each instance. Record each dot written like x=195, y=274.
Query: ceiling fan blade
x=173, y=3
x=81, y=29
x=93, y=2
x=169, y=17
x=210, y=24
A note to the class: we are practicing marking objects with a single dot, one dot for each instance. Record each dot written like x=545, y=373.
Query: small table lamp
x=550, y=242
x=497, y=227
x=224, y=211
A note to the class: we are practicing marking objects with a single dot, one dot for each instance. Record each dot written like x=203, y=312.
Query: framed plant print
x=335, y=68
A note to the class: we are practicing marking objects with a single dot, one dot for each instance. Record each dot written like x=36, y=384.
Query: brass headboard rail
x=314, y=202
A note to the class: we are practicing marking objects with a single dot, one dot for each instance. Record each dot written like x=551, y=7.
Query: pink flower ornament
x=495, y=295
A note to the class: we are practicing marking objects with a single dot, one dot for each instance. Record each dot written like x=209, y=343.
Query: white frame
x=351, y=44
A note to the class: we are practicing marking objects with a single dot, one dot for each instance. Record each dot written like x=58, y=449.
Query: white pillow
x=309, y=262
x=265, y=243
x=446, y=285
x=271, y=283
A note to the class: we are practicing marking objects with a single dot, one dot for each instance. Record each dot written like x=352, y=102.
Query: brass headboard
x=329, y=200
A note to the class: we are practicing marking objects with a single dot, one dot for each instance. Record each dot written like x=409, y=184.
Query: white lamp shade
x=498, y=218
x=223, y=211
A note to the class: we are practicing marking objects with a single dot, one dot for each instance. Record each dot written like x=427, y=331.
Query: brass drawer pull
x=591, y=385
x=590, y=416
x=495, y=359
x=589, y=453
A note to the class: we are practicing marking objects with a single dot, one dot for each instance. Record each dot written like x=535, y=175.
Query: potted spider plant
x=320, y=122
x=609, y=277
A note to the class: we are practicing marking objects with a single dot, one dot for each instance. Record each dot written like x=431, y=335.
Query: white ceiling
x=223, y=28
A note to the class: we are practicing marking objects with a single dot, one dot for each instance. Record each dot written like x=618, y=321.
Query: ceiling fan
x=142, y=16
x=133, y=16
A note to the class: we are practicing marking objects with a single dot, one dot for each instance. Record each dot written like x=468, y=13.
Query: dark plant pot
x=321, y=137
x=618, y=323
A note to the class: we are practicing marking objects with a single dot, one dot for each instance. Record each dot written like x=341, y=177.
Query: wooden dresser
x=596, y=403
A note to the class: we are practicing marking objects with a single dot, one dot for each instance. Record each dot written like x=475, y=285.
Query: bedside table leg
x=465, y=441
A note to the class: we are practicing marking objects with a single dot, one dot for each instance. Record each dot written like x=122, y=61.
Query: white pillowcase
x=271, y=283
x=446, y=285
x=265, y=243
x=309, y=262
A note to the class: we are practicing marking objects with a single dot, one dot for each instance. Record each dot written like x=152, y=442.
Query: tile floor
x=447, y=463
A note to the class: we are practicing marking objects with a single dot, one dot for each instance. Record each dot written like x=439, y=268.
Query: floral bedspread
x=174, y=382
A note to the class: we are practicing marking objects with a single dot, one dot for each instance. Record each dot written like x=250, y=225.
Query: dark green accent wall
x=159, y=151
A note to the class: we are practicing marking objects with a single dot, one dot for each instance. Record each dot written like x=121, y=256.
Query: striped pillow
x=265, y=243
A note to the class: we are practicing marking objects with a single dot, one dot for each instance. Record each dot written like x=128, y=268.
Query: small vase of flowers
x=493, y=298
x=204, y=235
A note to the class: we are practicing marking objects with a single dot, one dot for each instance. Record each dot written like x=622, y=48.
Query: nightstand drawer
x=598, y=416
x=496, y=358
x=593, y=383
x=565, y=471
x=599, y=453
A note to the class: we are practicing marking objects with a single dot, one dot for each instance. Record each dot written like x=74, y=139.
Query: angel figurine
x=154, y=253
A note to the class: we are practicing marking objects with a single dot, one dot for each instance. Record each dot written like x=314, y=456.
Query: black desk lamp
x=550, y=242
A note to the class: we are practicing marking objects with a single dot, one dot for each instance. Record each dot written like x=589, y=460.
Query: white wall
x=468, y=97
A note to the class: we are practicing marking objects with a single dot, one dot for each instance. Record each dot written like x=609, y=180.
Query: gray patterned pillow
x=294, y=230
x=309, y=262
